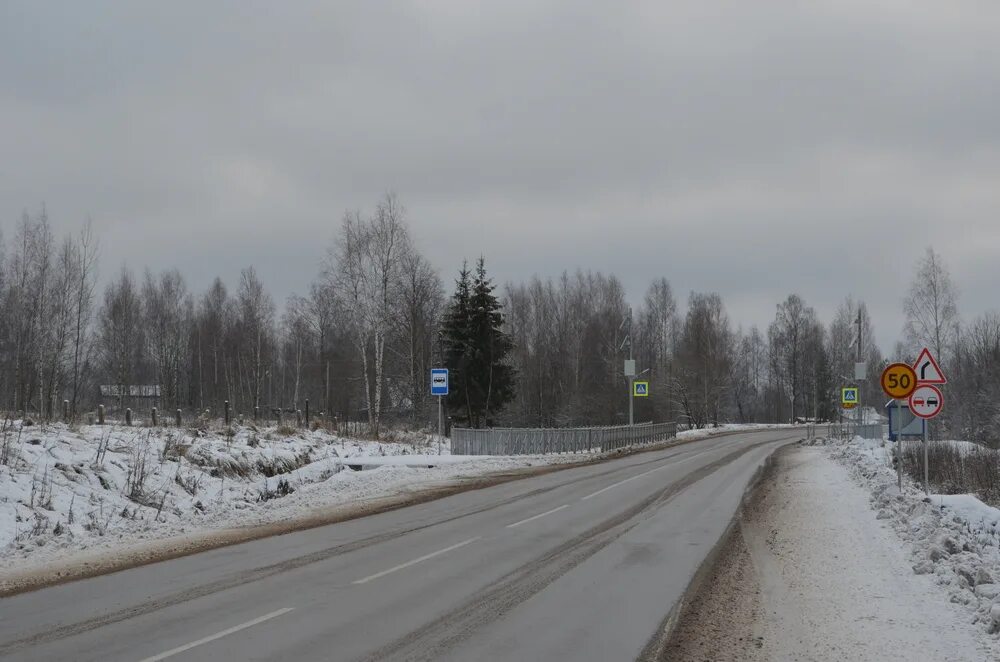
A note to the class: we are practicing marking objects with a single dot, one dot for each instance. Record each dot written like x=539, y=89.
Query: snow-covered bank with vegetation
x=953, y=537
x=66, y=490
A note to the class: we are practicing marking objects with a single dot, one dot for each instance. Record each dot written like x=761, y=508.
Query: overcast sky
x=754, y=149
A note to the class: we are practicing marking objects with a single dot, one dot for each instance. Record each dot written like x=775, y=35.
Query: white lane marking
x=622, y=482
x=416, y=561
x=218, y=635
x=532, y=519
x=646, y=473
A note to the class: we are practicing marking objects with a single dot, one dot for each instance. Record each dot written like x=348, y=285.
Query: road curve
x=581, y=564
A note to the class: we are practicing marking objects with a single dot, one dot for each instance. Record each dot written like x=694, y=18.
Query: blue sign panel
x=903, y=422
x=439, y=381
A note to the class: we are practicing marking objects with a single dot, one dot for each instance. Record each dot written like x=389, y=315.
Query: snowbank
x=969, y=508
x=954, y=537
x=67, y=491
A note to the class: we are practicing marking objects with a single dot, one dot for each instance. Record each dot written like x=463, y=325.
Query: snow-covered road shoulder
x=810, y=573
x=952, y=539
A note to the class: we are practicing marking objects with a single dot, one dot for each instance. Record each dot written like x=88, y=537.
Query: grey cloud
x=750, y=148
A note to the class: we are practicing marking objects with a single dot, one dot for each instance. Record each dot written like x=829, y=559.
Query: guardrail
x=537, y=441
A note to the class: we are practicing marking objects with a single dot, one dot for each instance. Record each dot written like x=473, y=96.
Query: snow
x=969, y=508
x=702, y=433
x=867, y=416
x=69, y=493
x=964, y=446
x=951, y=539
x=836, y=585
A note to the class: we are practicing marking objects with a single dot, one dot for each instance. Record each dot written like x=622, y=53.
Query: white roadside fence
x=537, y=441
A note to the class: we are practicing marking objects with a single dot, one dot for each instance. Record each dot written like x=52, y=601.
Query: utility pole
x=861, y=400
x=629, y=371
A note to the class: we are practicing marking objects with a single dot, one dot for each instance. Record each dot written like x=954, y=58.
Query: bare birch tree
x=367, y=261
x=931, y=307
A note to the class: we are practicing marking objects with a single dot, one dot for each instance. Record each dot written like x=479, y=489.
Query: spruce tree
x=455, y=330
x=476, y=350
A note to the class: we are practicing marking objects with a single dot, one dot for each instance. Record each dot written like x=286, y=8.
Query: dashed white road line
x=622, y=482
x=646, y=473
x=532, y=519
x=218, y=635
x=423, y=558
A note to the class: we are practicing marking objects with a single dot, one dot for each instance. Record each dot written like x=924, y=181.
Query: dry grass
x=956, y=471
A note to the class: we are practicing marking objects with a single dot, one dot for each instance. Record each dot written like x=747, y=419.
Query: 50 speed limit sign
x=899, y=381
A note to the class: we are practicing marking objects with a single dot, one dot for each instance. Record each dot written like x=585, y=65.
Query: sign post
x=849, y=400
x=917, y=385
x=439, y=387
x=898, y=381
x=927, y=401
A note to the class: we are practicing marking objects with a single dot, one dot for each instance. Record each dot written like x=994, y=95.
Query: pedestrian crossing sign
x=640, y=389
x=849, y=395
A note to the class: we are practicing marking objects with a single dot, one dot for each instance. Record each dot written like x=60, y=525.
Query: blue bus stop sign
x=439, y=381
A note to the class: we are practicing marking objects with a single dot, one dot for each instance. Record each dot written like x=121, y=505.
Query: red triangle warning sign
x=927, y=369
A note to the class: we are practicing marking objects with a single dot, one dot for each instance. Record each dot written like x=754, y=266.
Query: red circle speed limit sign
x=926, y=401
x=898, y=381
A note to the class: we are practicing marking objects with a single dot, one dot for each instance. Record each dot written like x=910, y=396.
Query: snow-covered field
x=954, y=538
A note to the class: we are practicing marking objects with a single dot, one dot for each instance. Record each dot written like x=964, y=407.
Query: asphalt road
x=581, y=564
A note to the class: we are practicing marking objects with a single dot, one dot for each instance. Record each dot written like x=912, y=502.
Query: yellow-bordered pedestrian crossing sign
x=640, y=389
x=849, y=395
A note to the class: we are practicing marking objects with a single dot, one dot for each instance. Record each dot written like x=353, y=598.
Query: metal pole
x=861, y=406
x=440, y=423
x=631, y=400
x=631, y=380
x=927, y=490
x=899, y=441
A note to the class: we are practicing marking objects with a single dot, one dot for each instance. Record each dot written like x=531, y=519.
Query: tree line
x=359, y=344
x=968, y=350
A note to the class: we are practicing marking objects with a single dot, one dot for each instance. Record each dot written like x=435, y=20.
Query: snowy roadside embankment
x=954, y=537
x=78, y=491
